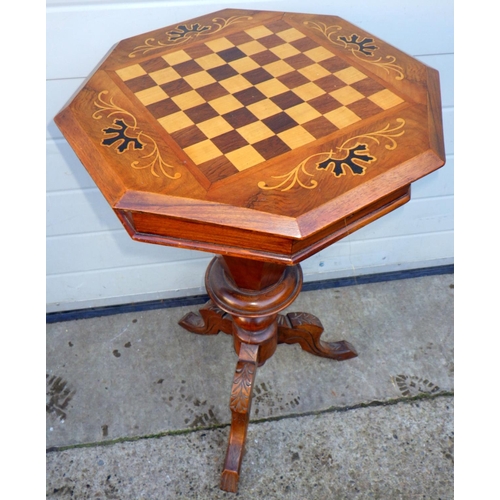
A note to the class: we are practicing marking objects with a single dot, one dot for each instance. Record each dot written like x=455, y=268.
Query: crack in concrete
x=332, y=409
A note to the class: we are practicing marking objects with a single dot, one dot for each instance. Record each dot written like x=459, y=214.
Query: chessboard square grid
x=385, y=99
x=176, y=57
x=284, y=51
x=272, y=88
x=200, y=79
x=240, y=117
x=314, y=72
x=320, y=127
x=318, y=54
x=346, y=95
x=278, y=68
x=258, y=32
x=219, y=44
x=255, y=132
x=231, y=54
x=130, y=72
x=165, y=75
x=271, y=147
x=235, y=84
x=214, y=127
x=203, y=151
x=350, y=75
x=225, y=104
x=201, y=112
x=251, y=48
x=296, y=137
x=151, y=95
x=257, y=76
x=287, y=100
x=163, y=108
x=187, y=68
x=291, y=35
x=342, y=117
x=271, y=41
x=189, y=136
x=188, y=100
x=244, y=64
x=174, y=122
x=280, y=122
x=210, y=61
x=245, y=157
x=308, y=91
x=249, y=96
x=303, y=113
x=240, y=100
x=230, y=141
x=264, y=109
x=212, y=91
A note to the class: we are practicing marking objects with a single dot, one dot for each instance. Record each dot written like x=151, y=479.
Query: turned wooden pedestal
x=246, y=297
x=262, y=137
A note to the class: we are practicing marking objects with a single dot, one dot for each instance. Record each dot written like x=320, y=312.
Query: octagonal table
x=262, y=137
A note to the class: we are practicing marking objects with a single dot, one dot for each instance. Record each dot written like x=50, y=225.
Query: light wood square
x=243, y=65
x=303, y=113
x=259, y=32
x=225, y=104
x=188, y=100
x=251, y=48
x=235, y=84
x=314, y=72
x=342, y=117
x=308, y=91
x=270, y=88
x=176, y=57
x=350, y=75
x=210, y=61
x=386, y=99
x=200, y=79
x=151, y=95
x=318, y=54
x=296, y=137
x=264, y=109
x=175, y=121
x=214, y=127
x=130, y=72
x=203, y=151
x=291, y=35
x=255, y=132
x=164, y=76
x=245, y=157
x=285, y=50
x=346, y=95
x=278, y=68
x=219, y=44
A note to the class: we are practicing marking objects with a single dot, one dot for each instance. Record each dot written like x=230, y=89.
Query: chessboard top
x=263, y=134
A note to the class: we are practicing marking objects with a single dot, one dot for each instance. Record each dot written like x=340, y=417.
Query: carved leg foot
x=210, y=321
x=305, y=329
x=240, y=403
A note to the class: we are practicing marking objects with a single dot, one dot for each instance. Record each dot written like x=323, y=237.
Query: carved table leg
x=210, y=321
x=305, y=329
x=240, y=403
x=246, y=297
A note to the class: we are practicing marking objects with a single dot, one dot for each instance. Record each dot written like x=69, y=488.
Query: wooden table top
x=260, y=134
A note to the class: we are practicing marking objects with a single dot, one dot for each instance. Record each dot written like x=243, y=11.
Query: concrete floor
x=137, y=408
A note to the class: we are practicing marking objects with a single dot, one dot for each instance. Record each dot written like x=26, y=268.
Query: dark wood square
x=229, y=141
x=240, y=117
x=279, y=122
